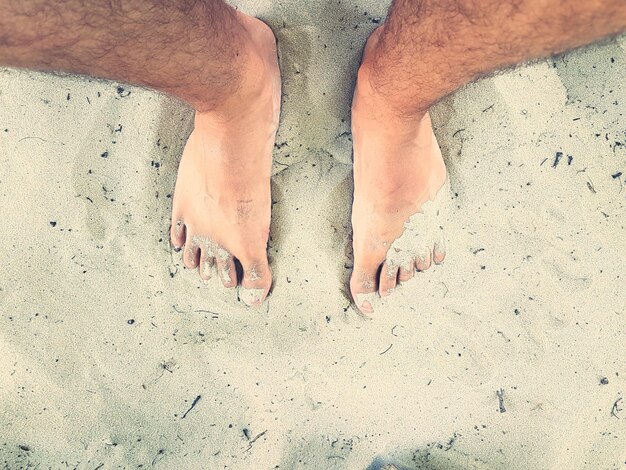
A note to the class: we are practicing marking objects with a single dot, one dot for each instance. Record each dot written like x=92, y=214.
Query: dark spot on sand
x=500, y=395
x=591, y=187
x=122, y=92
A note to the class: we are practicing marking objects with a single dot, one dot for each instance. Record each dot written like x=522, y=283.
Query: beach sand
x=511, y=355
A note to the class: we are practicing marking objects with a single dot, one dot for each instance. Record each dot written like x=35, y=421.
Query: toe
x=226, y=268
x=191, y=255
x=177, y=234
x=256, y=282
x=439, y=251
x=363, y=285
x=422, y=261
x=407, y=271
x=388, y=278
x=206, y=267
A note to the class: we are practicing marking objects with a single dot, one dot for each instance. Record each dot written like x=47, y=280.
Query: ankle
x=249, y=73
x=388, y=103
x=251, y=89
x=407, y=91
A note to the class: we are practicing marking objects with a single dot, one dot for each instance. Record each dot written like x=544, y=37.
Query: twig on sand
x=500, y=394
x=254, y=439
x=615, y=408
x=591, y=187
x=193, y=404
x=214, y=315
x=386, y=349
x=28, y=138
x=446, y=288
x=457, y=132
x=158, y=456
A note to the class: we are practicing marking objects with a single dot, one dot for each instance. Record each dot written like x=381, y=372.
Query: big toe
x=364, y=284
x=256, y=281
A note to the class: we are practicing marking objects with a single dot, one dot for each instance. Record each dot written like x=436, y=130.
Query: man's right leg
x=220, y=61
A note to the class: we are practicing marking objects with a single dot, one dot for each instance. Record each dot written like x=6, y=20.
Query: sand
x=509, y=356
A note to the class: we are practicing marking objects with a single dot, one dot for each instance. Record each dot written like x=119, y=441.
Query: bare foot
x=398, y=168
x=222, y=202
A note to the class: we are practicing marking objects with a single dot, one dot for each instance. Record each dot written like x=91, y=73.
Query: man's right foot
x=222, y=202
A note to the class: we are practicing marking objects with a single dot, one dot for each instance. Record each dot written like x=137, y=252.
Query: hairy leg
x=430, y=48
x=195, y=50
x=426, y=50
x=218, y=60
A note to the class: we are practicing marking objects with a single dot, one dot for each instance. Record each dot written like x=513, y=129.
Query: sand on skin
x=106, y=340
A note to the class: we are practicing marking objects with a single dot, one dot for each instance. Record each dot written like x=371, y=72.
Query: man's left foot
x=398, y=169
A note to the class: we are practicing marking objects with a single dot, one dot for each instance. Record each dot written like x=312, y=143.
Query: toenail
x=206, y=270
x=226, y=276
x=422, y=264
x=251, y=296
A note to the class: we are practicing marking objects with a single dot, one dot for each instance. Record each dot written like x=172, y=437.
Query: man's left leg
x=398, y=167
x=425, y=50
